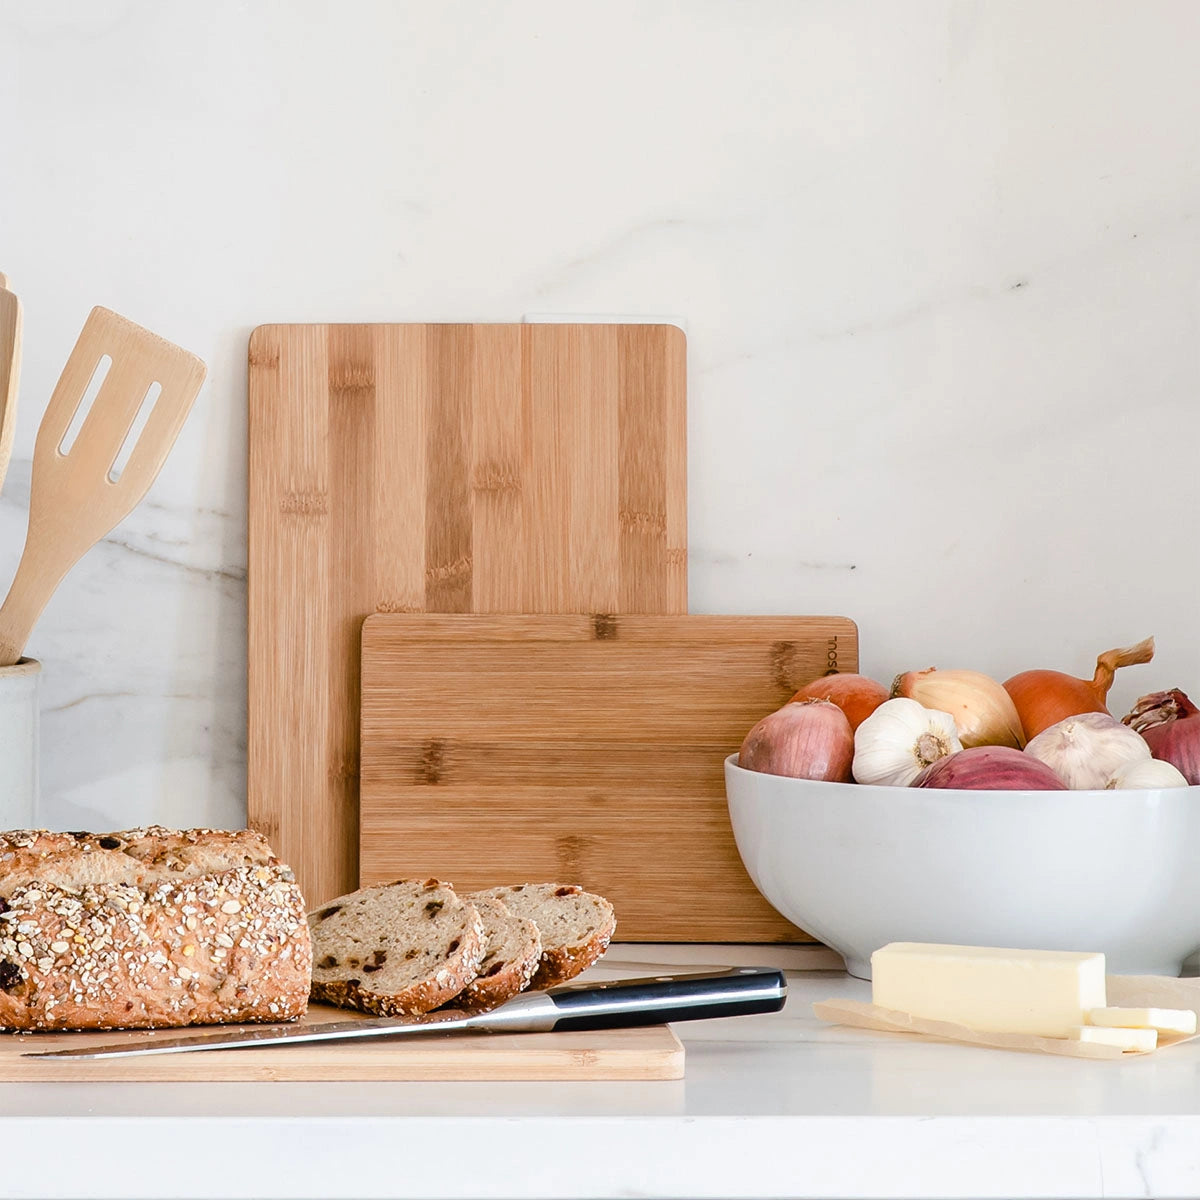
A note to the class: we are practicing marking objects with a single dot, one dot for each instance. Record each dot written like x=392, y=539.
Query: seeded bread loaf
x=575, y=926
x=402, y=948
x=148, y=928
x=512, y=954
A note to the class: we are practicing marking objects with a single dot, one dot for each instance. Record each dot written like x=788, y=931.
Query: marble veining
x=937, y=263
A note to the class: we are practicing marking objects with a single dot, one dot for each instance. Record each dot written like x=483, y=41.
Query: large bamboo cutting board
x=579, y=749
x=442, y=468
x=649, y=1052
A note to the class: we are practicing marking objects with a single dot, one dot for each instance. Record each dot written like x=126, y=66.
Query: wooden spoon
x=10, y=371
x=74, y=499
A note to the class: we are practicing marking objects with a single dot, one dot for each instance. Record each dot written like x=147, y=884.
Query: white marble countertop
x=774, y=1106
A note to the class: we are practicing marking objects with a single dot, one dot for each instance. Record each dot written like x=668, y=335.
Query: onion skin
x=1043, y=698
x=983, y=711
x=1170, y=724
x=856, y=695
x=991, y=769
x=810, y=739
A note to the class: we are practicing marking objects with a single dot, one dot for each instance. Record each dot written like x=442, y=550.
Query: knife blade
x=621, y=1003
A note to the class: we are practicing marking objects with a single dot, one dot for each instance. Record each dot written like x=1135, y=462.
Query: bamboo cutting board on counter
x=579, y=749
x=437, y=468
x=645, y=1052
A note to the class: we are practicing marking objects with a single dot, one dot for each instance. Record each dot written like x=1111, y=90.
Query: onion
x=990, y=768
x=810, y=739
x=982, y=710
x=1087, y=750
x=1170, y=724
x=856, y=695
x=1043, y=698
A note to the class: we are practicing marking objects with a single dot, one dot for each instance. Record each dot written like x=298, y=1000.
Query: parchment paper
x=1124, y=991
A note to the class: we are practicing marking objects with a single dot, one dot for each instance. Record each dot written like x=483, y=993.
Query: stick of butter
x=1044, y=992
x=1164, y=1020
x=1127, y=1039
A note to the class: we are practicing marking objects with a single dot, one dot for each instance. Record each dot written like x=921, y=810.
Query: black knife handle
x=660, y=998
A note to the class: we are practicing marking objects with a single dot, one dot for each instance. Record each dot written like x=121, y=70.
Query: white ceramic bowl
x=861, y=866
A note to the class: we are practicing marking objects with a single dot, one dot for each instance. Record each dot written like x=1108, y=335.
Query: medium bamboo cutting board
x=647, y=1052
x=441, y=468
x=581, y=749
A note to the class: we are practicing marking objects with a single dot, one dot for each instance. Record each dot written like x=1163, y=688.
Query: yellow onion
x=856, y=695
x=1043, y=698
x=983, y=711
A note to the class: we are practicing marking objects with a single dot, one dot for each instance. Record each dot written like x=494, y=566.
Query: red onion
x=808, y=739
x=990, y=768
x=1170, y=723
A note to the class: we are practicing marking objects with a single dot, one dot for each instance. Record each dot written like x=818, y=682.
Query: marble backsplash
x=937, y=261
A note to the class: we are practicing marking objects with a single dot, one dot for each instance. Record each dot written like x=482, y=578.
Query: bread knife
x=621, y=1003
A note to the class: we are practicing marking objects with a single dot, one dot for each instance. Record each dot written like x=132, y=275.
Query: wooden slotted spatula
x=74, y=498
x=10, y=370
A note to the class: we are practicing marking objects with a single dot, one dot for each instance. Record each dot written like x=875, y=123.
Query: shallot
x=810, y=739
x=1170, y=724
x=856, y=695
x=990, y=768
x=1043, y=698
x=1087, y=750
x=899, y=740
x=983, y=712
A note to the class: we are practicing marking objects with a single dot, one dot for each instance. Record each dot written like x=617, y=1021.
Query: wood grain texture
x=10, y=370
x=581, y=749
x=648, y=1052
x=440, y=468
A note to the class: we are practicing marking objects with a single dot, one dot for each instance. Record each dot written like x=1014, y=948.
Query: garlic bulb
x=1086, y=751
x=899, y=740
x=1148, y=773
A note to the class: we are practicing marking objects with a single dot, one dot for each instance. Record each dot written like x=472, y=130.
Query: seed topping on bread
x=231, y=946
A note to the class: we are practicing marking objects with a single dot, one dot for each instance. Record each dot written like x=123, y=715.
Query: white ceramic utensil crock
x=19, y=744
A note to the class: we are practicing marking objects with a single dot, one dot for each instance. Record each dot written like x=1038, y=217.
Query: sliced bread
x=399, y=949
x=514, y=949
x=575, y=926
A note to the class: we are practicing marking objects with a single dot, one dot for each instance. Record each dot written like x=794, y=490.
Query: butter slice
x=1043, y=992
x=1126, y=1039
x=1164, y=1020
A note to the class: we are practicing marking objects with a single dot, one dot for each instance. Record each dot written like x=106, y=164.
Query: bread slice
x=514, y=949
x=400, y=949
x=575, y=926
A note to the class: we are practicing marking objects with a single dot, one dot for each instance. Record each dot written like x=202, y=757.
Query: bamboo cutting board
x=441, y=468
x=501, y=749
x=648, y=1052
